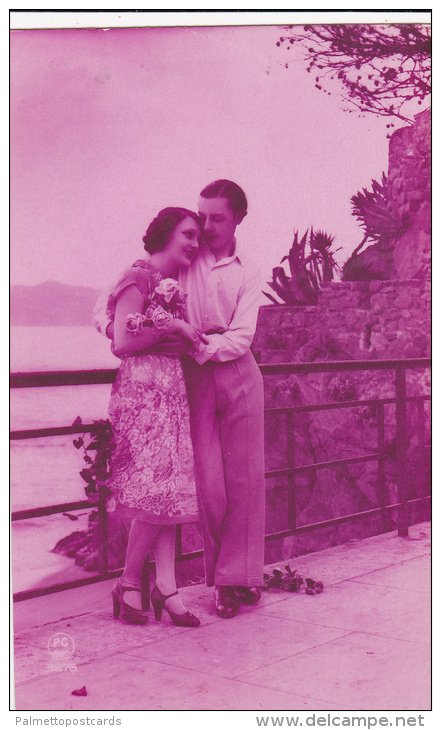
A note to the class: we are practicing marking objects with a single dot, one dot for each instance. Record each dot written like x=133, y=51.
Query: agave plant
x=376, y=214
x=311, y=262
x=323, y=261
x=381, y=223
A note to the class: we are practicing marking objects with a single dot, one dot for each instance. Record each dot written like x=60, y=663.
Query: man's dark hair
x=229, y=190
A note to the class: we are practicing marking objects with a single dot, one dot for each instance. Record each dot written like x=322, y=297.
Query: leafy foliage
x=375, y=213
x=86, y=546
x=381, y=223
x=381, y=69
x=96, y=454
x=311, y=262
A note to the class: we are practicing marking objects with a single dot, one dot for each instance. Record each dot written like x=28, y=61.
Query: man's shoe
x=225, y=602
x=250, y=596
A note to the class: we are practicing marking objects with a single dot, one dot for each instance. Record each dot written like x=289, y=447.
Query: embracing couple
x=187, y=406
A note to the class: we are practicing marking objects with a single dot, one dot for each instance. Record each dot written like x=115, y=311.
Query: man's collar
x=226, y=259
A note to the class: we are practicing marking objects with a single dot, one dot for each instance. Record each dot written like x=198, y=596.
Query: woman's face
x=183, y=243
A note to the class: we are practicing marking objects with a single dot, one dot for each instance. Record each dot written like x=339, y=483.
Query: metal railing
x=401, y=399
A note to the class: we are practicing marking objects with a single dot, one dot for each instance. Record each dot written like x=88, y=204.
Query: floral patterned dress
x=151, y=468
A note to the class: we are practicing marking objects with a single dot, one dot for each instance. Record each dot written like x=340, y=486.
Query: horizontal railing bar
x=105, y=376
x=32, y=433
x=183, y=557
x=284, y=471
x=98, y=578
x=35, y=433
x=328, y=406
x=340, y=520
x=52, y=509
x=338, y=462
x=56, y=587
x=72, y=506
x=49, y=378
x=337, y=365
x=342, y=404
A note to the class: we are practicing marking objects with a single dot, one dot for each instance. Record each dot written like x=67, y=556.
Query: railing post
x=145, y=584
x=381, y=491
x=291, y=455
x=103, y=531
x=421, y=429
x=178, y=551
x=401, y=452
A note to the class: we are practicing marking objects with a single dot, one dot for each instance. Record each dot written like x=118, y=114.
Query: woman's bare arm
x=125, y=343
x=131, y=301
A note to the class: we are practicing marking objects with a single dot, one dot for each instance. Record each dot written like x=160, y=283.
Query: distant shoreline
x=51, y=324
x=52, y=304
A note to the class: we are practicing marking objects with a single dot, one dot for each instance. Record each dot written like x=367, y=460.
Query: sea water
x=45, y=471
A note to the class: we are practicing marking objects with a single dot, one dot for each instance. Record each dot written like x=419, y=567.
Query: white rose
x=167, y=288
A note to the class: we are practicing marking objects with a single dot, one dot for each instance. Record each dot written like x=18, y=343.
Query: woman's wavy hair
x=161, y=228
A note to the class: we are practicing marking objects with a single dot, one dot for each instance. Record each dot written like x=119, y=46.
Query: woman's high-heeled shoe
x=179, y=619
x=120, y=607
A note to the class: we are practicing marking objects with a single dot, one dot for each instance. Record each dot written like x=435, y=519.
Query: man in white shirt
x=225, y=391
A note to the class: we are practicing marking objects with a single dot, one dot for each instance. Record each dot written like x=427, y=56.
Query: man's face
x=218, y=223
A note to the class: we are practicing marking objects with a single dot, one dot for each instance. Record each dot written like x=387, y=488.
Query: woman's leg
x=142, y=535
x=164, y=552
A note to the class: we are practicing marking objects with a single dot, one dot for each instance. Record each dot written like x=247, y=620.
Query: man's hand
x=171, y=346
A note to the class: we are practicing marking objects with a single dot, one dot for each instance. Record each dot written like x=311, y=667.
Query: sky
x=110, y=126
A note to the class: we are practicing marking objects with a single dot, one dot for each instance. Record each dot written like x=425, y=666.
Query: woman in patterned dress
x=151, y=470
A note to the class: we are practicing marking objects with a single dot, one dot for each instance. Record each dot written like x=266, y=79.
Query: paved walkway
x=363, y=644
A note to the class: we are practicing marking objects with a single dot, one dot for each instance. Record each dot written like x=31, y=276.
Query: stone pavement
x=362, y=644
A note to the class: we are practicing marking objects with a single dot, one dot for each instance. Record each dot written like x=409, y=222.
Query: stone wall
x=353, y=320
x=409, y=178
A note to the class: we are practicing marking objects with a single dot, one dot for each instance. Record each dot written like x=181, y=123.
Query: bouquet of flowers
x=166, y=302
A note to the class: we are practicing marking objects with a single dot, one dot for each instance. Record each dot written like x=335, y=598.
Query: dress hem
x=152, y=518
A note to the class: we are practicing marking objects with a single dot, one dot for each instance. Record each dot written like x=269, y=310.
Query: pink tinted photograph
x=220, y=273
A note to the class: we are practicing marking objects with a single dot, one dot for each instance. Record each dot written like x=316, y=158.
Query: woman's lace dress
x=151, y=469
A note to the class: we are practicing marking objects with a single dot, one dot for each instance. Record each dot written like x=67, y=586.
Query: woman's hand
x=172, y=345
